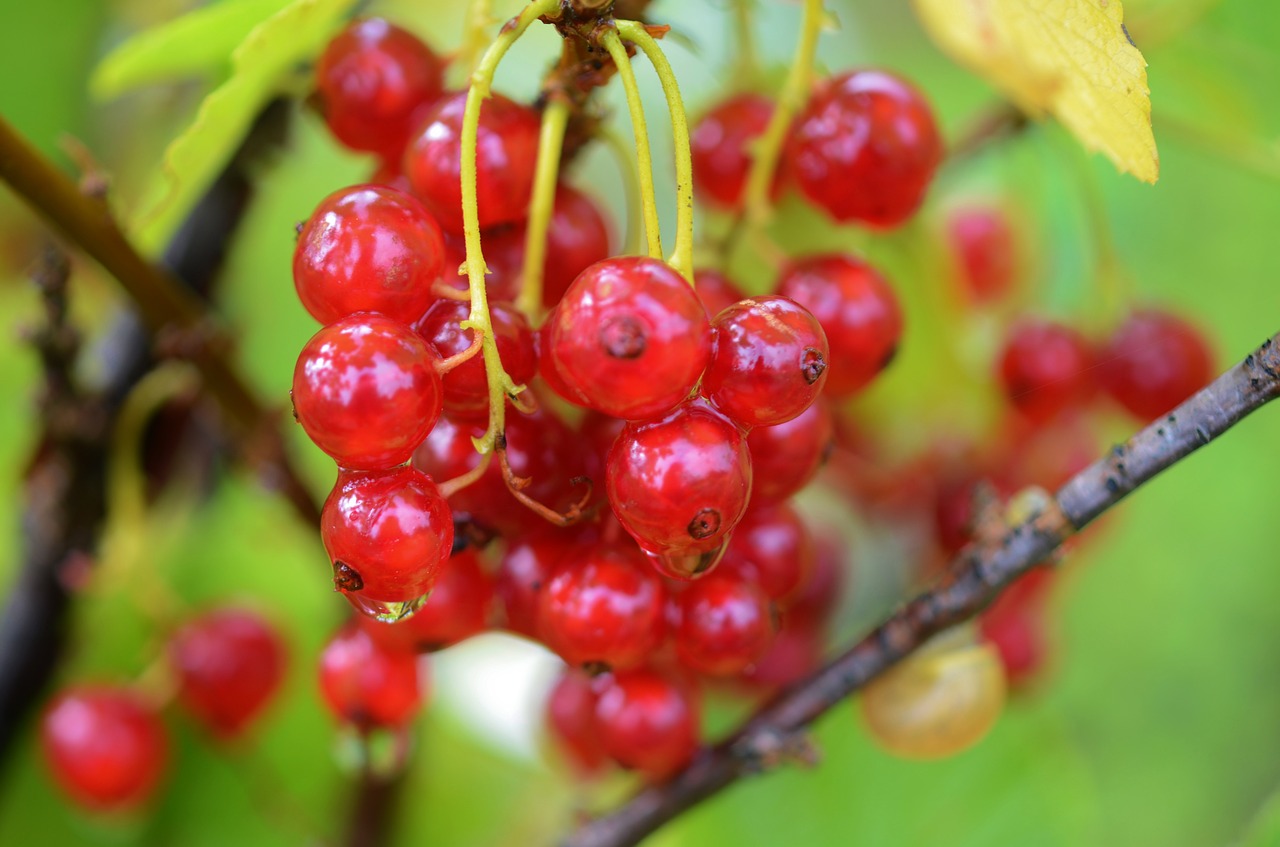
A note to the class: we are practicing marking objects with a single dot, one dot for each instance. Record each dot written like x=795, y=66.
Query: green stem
x=474, y=34
x=630, y=188
x=610, y=41
x=500, y=384
x=541, y=205
x=682, y=257
x=747, y=62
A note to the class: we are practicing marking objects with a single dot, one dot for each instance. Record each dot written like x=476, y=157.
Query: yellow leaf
x=1070, y=58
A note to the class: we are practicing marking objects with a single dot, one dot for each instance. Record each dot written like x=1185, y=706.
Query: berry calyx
x=368, y=685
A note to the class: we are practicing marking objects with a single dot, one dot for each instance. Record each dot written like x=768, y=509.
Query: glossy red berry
x=985, y=248
x=466, y=386
x=679, y=485
x=372, y=80
x=769, y=361
x=368, y=685
x=506, y=152
x=648, y=722
x=388, y=535
x=457, y=609
x=773, y=549
x=368, y=249
x=630, y=337
x=603, y=608
x=858, y=311
x=1045, y=369
x=796, y=652
x=571, y=717
x=721, y=143
x=229, y=663
x=865, y=148
x=366, y=391
x=503, y=258
x=1154, y=361
x=787, y=456
x=577, y=238
x=725, y=624
x=523, y=573
x=716, y=291
x=105, y=747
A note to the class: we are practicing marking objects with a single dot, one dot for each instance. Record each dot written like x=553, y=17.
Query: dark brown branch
x=975, y=578
x=164, y=305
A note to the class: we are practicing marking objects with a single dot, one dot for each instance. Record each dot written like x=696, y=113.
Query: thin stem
x=682, y=255
x=500, y=385
x=747, y=61
x=475, y=28
x=610, y=41
x=630, y=189
x=542, y=204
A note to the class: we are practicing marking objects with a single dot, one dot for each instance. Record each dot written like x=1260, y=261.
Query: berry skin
x=524, y=571
x=630, y=337
x=785, y=457
x=388, y=535
x=457, y=609
x=571, y=717
x=372, y=79
x=229, y=663
x=772, y=549
x=679, y=485
x=858, y=311
x=769, y=361
x=795, y=653
x=721, y=145
x=466, y=386
x=648, y=722
x=1046, y=368
x=368, y=685
x=716, y=291
x=725, y=624
x=985, y=247
x=865, y=148
x=368, y=249
x=1153, y=362
x=366, y=391
x=604, y=607
x=106, y=749
x=506, y=152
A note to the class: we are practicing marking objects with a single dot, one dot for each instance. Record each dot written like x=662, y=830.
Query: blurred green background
x=1159, y=722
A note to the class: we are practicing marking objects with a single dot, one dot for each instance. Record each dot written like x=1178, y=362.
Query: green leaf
x=196, y=43
x=260, y=67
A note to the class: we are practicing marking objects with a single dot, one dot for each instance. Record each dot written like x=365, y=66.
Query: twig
x=976, y=577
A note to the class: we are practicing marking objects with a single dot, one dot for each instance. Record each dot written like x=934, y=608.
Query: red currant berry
x=725, y=625
x=795, y=653
x=1014, y=625
x=856, y=308
x=506, y=152
x=466, y=386
x=366, y=391
x=388, y=535
x=368, y=685
x=785, y=457
x=457, y=609
x=503, y=259
x=577, y=238
x=603, y=608
x=1154, y=361
x=105, y=747
x=368, y=249
x=773, y=549
x=630, y=337
x=865, y=148
x=648, y=722
x=679, y=485
x=571, y=717
x=1046, y=368
x=523, y=573
x=721, y=143
x=372, y=79
x=985, y=247
x=716, y=291
x=820, y=595
x=769, y=361
x=229, y=663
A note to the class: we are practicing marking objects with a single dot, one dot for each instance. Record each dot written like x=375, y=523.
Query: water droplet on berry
x=687, y=564
x=385, y=611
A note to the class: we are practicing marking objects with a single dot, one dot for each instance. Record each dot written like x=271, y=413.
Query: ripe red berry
x=1046, y=368
x=721, y=143
x=679, y=485
x=466, y=386
x=820, y=594
x=985, y=247
x=388, y=534
x=372, y=80
x=506, y=152
x=368, y=249
x=523, y=573
x=725, y=624
x=604, y=607
x=503, y=259
x=795, y=653
x=785, y=457
x=865, y=148
x=648, y=722
x=858, y=311
x=773, y=549
x=769, y=361
x=1014, y=625
x=630, y=337
x=1154, y=361
x=571, y=717
x=366, y=391
x=716, y=291
x=457, y=609
x=229, y=663
x=368, y=685
x=105, y=747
